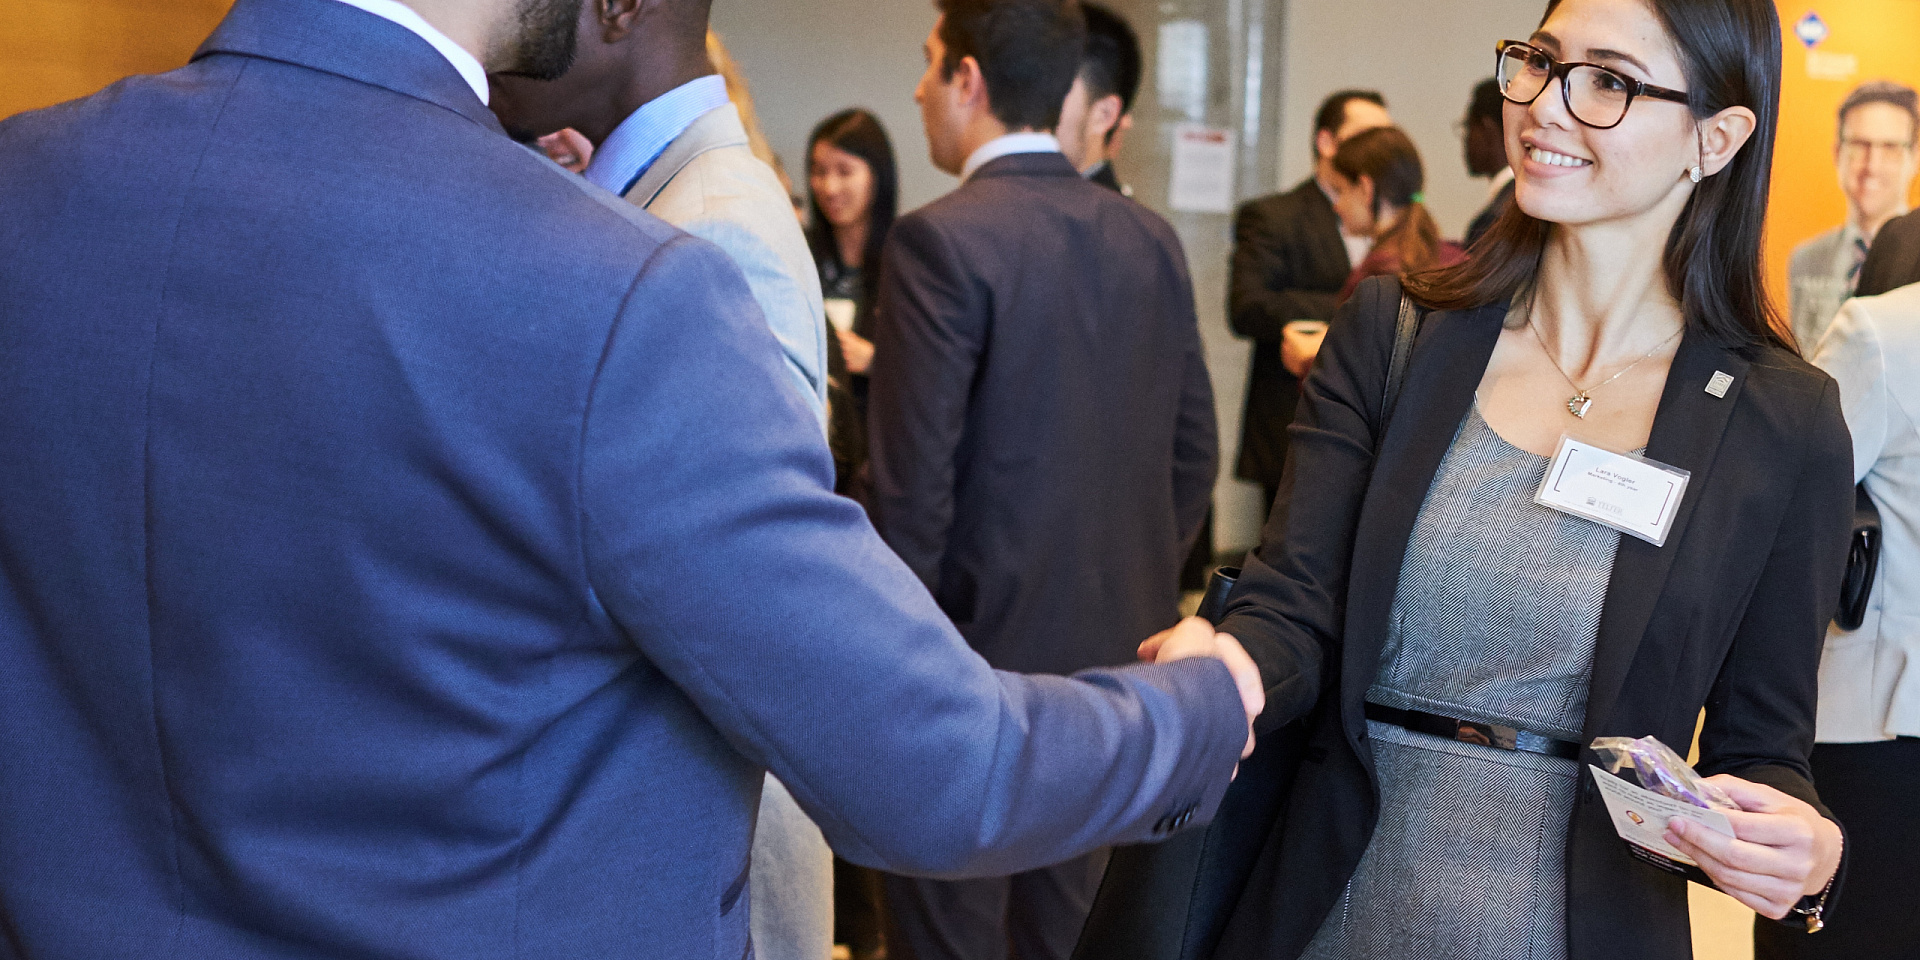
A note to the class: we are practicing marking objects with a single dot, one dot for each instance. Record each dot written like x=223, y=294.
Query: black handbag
x=1171, y=900
x=1863, y=559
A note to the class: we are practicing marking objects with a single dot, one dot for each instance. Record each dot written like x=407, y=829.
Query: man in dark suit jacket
x=1042, y=426
x=1892, y=262
x=413, y=550
x=1290, y=261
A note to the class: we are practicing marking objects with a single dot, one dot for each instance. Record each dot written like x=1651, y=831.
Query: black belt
x=1473, y=731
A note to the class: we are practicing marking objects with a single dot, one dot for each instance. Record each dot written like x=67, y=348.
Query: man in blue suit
x=426, y=559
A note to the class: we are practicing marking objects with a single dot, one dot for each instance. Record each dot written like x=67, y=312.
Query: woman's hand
x=1782, y=849
x=858, y=351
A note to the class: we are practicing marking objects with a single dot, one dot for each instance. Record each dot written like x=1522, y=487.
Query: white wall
x=807, y=59
x=1424, y=57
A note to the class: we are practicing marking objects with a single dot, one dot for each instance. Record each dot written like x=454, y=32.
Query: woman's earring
x=1693, y=173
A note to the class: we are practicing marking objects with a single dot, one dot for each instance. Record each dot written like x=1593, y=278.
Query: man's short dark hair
x=1332, y=114
x=1028, y=51
x=1880, y=91
x=1110, y=66
x=1487, y=103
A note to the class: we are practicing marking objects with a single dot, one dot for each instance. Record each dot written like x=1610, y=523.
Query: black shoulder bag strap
x=1406, y=330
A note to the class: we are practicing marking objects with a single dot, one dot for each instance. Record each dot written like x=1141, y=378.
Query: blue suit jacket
x=390, y=567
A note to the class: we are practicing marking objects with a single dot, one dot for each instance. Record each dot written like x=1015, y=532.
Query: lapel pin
x=1719, y=384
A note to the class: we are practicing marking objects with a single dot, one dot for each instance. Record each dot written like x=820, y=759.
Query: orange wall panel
x=56, y=50
x=1866, y=40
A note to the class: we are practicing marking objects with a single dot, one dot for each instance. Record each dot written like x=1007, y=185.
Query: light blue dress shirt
x=639, y=140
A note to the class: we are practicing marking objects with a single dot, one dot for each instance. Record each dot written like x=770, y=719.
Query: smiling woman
x=1426, y=585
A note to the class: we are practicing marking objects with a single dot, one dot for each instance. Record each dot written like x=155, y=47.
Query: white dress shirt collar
x=1007, y=145
x=469, y=67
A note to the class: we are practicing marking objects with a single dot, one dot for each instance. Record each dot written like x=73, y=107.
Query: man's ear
x=1119, y=135
x=616, y=18
x=1324, y=145
x=1104, y=116
x=971, y=83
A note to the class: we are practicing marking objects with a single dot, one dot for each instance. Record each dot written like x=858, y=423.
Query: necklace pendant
x=1578, y=405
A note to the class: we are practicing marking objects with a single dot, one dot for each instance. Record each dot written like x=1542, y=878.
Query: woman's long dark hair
x=1730, y=52
x=857, y=132
x=1388, y=157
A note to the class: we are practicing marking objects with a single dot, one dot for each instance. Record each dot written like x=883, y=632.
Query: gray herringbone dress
x=1496, y=619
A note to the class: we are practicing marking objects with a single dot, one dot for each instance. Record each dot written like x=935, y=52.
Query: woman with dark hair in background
x=1472, y=640
x=1377, y=182
x=855, y=194
x=1379, y=191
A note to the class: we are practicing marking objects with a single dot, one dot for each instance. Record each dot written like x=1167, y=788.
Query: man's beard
x=546, y=38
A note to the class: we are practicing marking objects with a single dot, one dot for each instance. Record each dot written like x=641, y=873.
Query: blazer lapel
x=1447, y=364
x=1687, y=429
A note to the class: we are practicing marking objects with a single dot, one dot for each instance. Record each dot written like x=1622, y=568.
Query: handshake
x=1195, y=637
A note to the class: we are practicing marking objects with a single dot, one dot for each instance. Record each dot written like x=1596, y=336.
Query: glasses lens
x=1599, y=96
x=1523, y=73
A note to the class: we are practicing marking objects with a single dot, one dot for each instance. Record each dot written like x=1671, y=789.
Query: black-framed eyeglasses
x=1593, y=94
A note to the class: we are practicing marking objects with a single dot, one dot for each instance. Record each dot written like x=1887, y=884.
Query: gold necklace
x=1582, y=401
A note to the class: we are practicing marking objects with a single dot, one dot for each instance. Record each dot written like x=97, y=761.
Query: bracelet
x=1813, y=906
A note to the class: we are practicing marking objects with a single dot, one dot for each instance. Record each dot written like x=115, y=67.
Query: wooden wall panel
x=55, y=50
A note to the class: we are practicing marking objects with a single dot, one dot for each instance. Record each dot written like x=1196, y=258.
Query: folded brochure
x=1640, y=817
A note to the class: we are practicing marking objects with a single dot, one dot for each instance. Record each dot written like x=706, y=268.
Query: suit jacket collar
x=348, y=42
x=716, y=129
x=1025, y=165
x=1448, y=363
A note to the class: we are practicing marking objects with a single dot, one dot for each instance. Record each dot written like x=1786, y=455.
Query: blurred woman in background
x=855, y=193
x=1378, y=185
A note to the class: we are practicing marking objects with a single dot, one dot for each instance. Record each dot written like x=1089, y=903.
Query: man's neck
x=1871, y=228
x=982, y=132
x=652, y=78
x=471, y=25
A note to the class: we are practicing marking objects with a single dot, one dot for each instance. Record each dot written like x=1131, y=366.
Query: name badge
x=1633, y=495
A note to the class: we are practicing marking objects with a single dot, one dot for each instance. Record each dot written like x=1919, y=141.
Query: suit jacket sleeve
x=1288, y=606
x=710, y=537
x=931, y=329
x=1262, y=293
x=782, y=298
x=1760, y=711
x=1196, y=454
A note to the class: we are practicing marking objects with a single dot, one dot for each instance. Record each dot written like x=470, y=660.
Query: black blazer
x=1288, y=264
x=1730, y=615
x=1893, y=260
x=1042, y=432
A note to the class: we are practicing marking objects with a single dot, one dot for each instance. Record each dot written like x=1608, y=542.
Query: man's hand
x=1194, y=637
x=1299, y=344
x=1782, y=848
